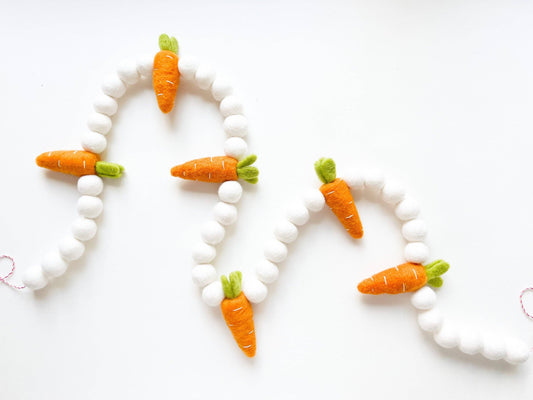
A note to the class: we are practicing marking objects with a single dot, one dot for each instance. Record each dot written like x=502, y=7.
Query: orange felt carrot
x=238, y=313
x=218, y=169
x=338, y=197
x=166, y=76
x=78, y=163
x=406, y=277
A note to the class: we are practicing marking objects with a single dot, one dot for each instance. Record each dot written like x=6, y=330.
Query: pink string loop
x=4, y=279
x=529, y=289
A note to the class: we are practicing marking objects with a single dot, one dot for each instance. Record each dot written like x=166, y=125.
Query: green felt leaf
x=326, y=170
x=164, y=42
x=109, y=170
x=436, y=282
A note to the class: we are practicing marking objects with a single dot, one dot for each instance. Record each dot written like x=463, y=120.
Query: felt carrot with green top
x=218, y=169
x=407, y=277
x=166, y=76
x=78, y=163
x=238, y=313
x=338, y=197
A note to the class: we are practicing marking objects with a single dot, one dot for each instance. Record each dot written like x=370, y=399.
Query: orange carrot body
x=407, y=277
x=209, y=169
x=166, y=79
x=73, y=162
x=339, y=198
x=239, y=317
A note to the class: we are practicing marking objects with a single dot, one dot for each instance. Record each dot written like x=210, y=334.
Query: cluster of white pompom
x=231, y=108
x=469, y=341
x=71, y=247
x=89, y=206
x=414, y=231
x=235, y=126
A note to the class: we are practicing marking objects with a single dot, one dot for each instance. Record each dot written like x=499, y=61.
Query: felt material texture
x=168, y=43
x=230, y=192
x=109, y=170
x=33, y=278
x=217, y=169
x=238, y=313
x=338, y=197
x=424, y=298
x=208, y=169
x=94, y=142
x=71, y=248
x=407, y=277
x=72, y=162
x=166, y=76
x=431, y=320
x=447, y=336
x=254, y=290
x=90, y=206
x=235, y=147
x=113, y=86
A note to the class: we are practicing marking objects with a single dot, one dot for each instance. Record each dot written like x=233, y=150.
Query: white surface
x=437, y=94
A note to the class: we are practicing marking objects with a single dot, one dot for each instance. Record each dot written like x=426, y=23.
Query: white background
x=438, y=94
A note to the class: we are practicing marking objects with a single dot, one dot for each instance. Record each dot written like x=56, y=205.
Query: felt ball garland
x=236, y=293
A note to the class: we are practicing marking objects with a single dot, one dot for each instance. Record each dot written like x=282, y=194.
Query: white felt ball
x=203, y=253
x=431, y=320
x=275, y=251
x=113, y=86
x=267, y=272
x=90, y=206
x=187, y=65
x=84, y=229
x=236, y=125
x=71, y=248
x=53, y=264
x=374, y=180
x=424, y=298
x=203, y=275
x=314, y=200
x=221, y=88
x=226, y=214
x=254, y=290
x=447, y=336
x=205, y=75
x=90, y=185
x=297, y=214
x=354, y=179
x=416, y=252
x=393, y=192
x=517, y=351
x=93, y=142
x=127, y=72
x=230, y=192
x=470, y=341
x=414, y=230
x=213, y=294
x=285, y=231
x=33, y=278
x=99, y=123
x=213, y=233
x=105, y=104
x=231, y=105
x=235, y=147
x=407, y=209
x=145, y=65
x=493, y=347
